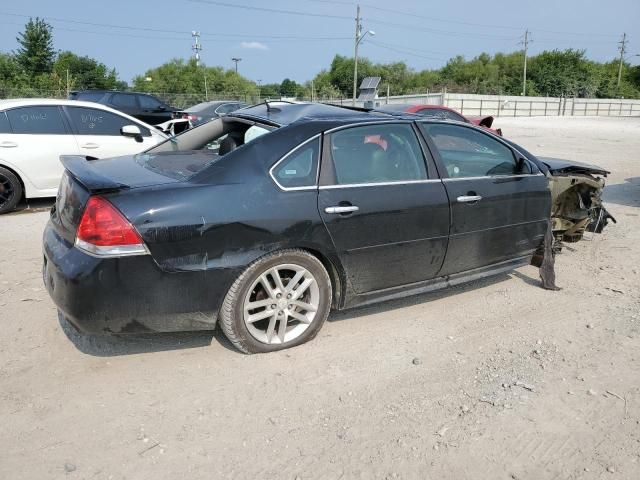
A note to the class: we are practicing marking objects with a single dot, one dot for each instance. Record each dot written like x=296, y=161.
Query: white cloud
x=254, y=45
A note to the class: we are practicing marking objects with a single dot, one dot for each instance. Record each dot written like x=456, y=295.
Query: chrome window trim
x=293, y=150
x=457, y=179
x=379, y=184
x=372, y=122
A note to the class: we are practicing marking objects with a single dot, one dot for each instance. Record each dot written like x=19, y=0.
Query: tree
x=36, y=54
x=85, y=73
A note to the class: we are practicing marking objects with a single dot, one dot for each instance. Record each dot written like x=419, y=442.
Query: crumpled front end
x=577, y=205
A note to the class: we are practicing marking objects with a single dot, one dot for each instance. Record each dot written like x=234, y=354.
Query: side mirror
x=161, y=108
x=132, y=131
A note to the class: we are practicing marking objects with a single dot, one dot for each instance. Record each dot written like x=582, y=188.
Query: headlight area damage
x=576, y=192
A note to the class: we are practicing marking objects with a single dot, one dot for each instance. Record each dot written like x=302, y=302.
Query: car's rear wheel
x=10, y=190
x=279, y=301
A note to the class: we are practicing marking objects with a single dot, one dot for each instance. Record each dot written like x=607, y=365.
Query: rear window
x=177, y=165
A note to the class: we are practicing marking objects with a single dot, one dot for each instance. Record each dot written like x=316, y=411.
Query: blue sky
x=274, y=45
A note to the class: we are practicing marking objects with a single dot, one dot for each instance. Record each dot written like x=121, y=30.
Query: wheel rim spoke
x=304, y=306
x=297, y=293
x=283, y=326
x=300, y=317
x=258, y=304
x=267, y=285
x=275, y=274
x=294, y=281
x=271, y=329
x=260, y=316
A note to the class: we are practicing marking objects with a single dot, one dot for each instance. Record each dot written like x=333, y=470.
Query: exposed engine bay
x=576, y=192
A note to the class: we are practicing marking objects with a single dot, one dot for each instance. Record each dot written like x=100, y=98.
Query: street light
x=359, y=38
x=236, y=60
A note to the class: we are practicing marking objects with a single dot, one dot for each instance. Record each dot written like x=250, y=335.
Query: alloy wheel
x=281, y=304
x=6, y=190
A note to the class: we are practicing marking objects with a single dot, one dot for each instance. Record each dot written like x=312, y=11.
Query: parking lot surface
x=495, y=379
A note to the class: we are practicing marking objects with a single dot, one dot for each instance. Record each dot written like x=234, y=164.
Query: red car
x=439, y=111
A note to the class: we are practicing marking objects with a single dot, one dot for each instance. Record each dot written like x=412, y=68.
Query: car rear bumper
x=128, y=294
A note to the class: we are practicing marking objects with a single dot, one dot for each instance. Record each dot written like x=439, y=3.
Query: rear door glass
x=124, y=100
x=43, y=120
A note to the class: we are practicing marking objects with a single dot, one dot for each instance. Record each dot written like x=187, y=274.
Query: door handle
x=469, y=198
x=90, y=145
x=342, y=209
x=8, y=144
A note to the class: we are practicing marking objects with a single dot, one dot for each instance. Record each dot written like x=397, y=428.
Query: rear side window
x=92, y=121
x=4, y=123
x=377, y=154
x=299, y=168
x=148, y=102
x=466, y=152
x=124, y=100
x=42, y=120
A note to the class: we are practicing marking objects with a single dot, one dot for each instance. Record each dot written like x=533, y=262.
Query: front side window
x=124, y=100
x=467, y=152
x=92, y=121
x=42, y=120
x=377, y=154
x=298, y=168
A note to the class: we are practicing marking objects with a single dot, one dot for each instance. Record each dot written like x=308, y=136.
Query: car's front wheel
x=279, y=301
x=10, y=190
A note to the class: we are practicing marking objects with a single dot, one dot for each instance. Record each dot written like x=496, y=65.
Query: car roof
x=412, y=107
x=30, y=102
x=285, y=113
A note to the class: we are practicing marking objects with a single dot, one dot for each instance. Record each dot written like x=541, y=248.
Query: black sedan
x=303, y=209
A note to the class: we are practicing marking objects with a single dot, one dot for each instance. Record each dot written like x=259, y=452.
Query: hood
x=557, y=165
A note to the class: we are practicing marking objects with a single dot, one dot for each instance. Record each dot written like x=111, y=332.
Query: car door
x=387, y=213
x=500, y=203
x=153, y=111
x=99, y=133
x=38, y=136
x=126, y=103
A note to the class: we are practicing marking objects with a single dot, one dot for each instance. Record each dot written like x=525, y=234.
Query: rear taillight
x=104, y=231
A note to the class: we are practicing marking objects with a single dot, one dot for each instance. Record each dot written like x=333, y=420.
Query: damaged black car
x=262, y=221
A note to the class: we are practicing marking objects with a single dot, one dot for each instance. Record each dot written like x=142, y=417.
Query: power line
x=405, y=52
x=180, y=32
x=446, y=33
x=271, y=10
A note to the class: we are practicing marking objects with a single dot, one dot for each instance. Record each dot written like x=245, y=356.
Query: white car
x=35, y=132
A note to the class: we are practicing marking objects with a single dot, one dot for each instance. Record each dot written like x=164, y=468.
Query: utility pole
x=68, y=83
x=236, y=60
x=524, y=75
x=355, y=56
x=196, y=47
x=259, y=88
x=623, y=50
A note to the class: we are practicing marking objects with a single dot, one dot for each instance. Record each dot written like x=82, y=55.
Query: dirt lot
x=495, y=380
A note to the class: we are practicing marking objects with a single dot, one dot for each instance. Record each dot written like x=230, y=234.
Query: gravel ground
x=498, y=379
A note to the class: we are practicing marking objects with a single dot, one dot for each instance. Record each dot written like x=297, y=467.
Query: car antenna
x=266, y=102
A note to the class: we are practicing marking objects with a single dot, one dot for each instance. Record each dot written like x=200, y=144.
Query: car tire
x=10, y=190
x=262, y=314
